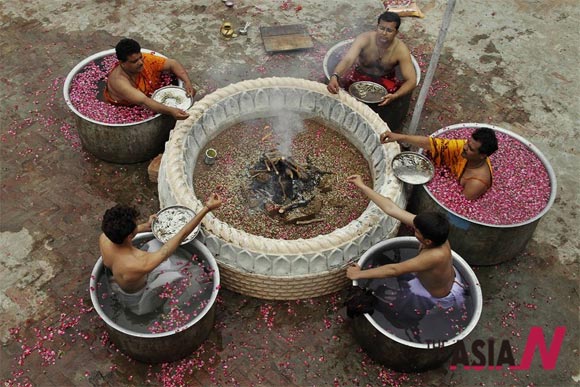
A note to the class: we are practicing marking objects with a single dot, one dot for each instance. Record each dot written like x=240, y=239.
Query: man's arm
x=346, y=63
x=473, y=189
x=422, y=262
x=384, y=203
x=177, y=68
x=137, y=97
x=153, y=260
x=157, y=107
x=409, y=77
x=418, y=141
x=144, y=227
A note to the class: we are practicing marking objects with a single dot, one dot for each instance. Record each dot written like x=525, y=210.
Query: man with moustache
x=138, y=75
x=468, y=160
x=375, y=54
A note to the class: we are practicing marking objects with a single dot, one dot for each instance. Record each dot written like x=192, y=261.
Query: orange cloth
x=147, y=81
x=448, y=152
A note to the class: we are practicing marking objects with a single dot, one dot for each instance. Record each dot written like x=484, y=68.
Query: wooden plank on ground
x=286, y=38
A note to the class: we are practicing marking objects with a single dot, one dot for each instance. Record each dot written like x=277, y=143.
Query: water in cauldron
x=406, y=321
x=184, y=299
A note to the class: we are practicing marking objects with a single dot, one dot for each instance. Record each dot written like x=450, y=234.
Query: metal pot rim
x=147, y=236
x=532, y=147
x=79, y=67
x=346, y=42
x=466, y=271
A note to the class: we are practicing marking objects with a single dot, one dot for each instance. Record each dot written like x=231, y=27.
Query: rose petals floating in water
x=520, y=190
x=85, y=89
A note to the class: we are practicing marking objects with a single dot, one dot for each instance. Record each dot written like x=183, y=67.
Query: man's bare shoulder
x=402, y=49
x=437, y=254
x=118, y=78
x=365, y=38
x=112, y=251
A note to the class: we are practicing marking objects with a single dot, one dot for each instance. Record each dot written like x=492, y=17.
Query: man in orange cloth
x=375, y=55
x=468, y=159
x=138, y=75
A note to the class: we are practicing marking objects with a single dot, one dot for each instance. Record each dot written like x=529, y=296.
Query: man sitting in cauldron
x=138, y=275
x=138, y=75
x=376, y=54
x=468, y=159
x=436, y=281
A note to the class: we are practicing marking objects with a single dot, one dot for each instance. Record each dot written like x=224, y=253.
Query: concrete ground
x=510, y=63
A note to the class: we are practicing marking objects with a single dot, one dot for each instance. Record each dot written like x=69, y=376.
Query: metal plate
x=368, y=92
x=170, y=220
x=412, y=168
x=173, y=96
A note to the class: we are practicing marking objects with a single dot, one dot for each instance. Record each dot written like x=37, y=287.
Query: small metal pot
x=210, y=156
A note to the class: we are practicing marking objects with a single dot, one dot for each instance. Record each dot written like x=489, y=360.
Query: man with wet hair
x=435, y=281
x=468, y=159
x=375, y=54
x=138, y=75
x=136, y=273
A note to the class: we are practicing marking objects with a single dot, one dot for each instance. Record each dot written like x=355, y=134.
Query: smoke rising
x=286, y=126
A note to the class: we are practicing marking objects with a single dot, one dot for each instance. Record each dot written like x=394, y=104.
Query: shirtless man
x=138, y=75
x=376, y=53
x=433, y=265
x=129, y=265
x=467, y=159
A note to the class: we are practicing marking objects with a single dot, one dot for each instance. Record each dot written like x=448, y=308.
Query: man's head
x=119, y=223
x=431, y=228
x=125, y=48
x=389, y=17
x=480, y=145
x=129, y=54
x=387, y=28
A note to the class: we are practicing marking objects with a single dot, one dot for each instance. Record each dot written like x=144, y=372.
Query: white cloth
x=147, y=299
x=454, y=298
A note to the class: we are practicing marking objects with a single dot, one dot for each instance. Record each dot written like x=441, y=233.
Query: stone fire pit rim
x=174, y=165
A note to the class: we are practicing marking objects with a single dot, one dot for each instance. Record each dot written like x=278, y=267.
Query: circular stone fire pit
x=276, y=268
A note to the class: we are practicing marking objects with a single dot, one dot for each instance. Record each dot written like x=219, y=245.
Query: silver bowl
x=412, y=168
x=368, y=92
x=173, y=96
x=170, y=220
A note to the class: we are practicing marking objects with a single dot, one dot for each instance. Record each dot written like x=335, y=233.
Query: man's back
x=438, y=278
x=126, y=263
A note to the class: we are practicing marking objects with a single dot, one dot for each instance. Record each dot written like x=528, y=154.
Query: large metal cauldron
x=480, y=243
x=119, y=143
x=400, y=354
x=167, y=346
x=395, y=112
